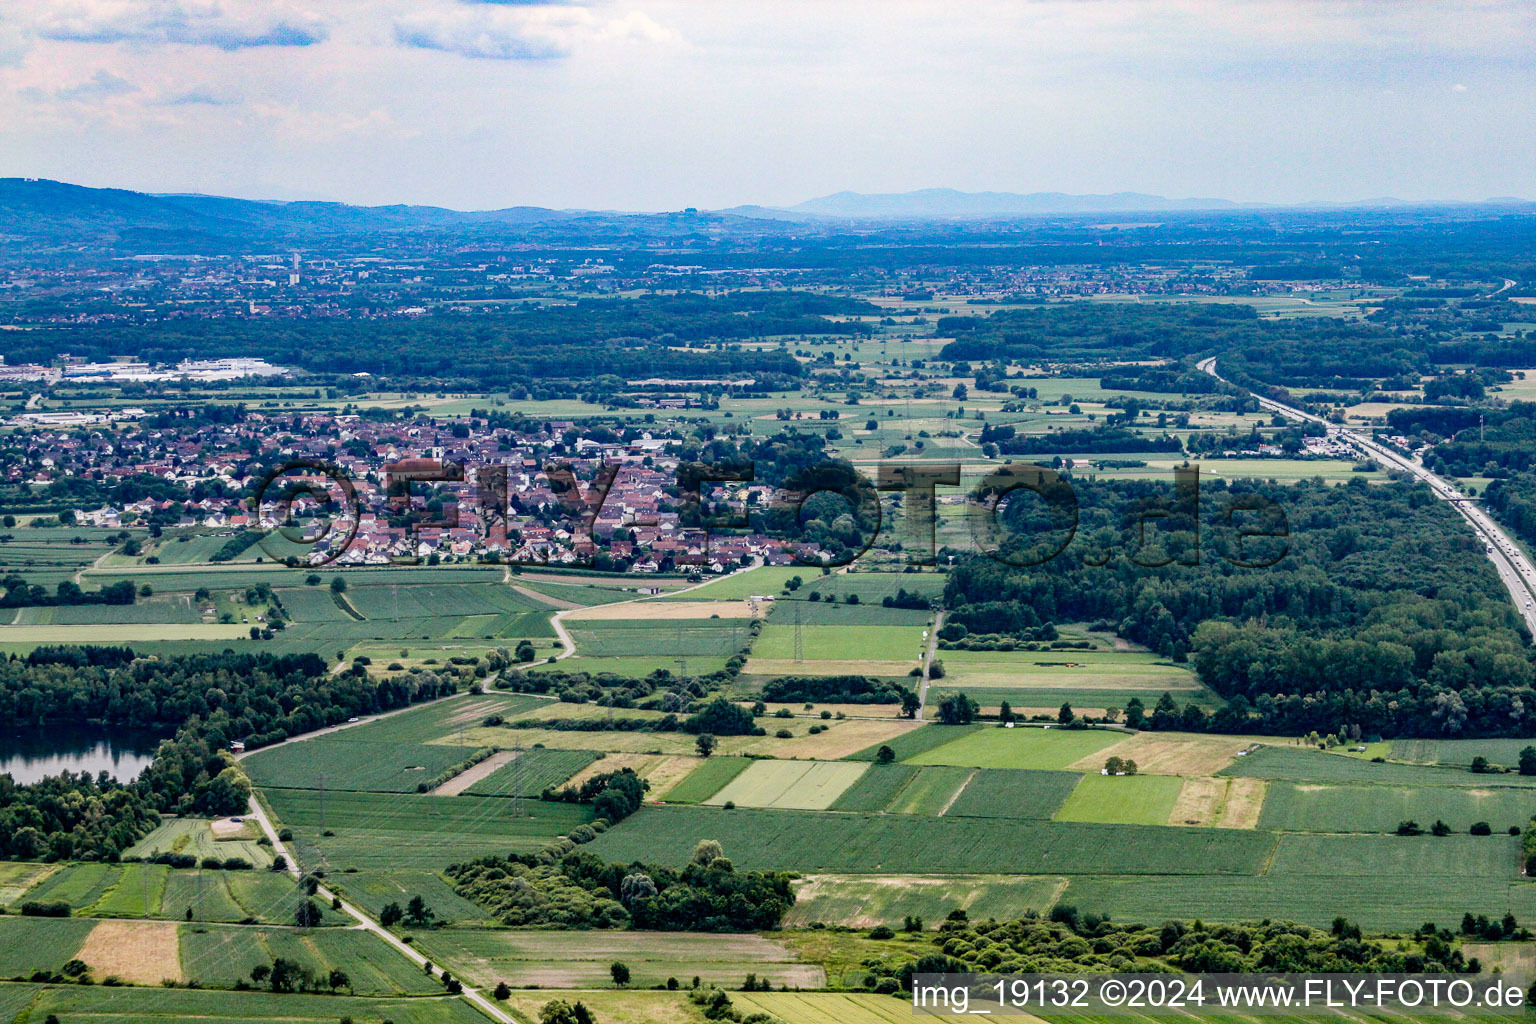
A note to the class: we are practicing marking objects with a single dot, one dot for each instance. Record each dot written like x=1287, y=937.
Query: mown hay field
x=805, y=785
x=863, y=901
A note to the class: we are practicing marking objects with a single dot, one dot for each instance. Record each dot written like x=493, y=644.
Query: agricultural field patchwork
x=530, y=772
x=706, y=780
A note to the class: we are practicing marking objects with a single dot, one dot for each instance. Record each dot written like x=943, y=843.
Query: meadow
x=1019, y=748
x=1122, y=799
x=863, y=901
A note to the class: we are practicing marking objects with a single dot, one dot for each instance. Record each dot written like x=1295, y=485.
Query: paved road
x=1514, y=568
x=933, y=643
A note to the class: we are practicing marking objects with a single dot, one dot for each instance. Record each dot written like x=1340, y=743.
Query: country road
x=490, y=1009
x=932, y=645
x=1513, y=567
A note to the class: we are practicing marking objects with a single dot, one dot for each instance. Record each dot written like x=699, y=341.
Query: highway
x=1514, y=568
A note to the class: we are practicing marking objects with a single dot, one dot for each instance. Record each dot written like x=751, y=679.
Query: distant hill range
x=55, y=212
x=948, y=204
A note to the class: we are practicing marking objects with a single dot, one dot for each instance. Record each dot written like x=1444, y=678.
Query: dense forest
x=590, y=338
x=1380, y=612
x=205, y=700
x=568, y=887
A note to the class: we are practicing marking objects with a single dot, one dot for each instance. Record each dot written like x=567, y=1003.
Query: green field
x=1495, y=858
x=103, y=1005
x=784, y=611
x=156, y=891
x=687, y=638
x=532, y=772
x=373, y=889
x=1295, y=764
x=1019, y=748
x=706, y=780
x=862, y=901
x=876, y=788
x=918, y=741
x=194, y=836
x=834, y=643
x=930, y=791
x=765, y=581
x=998, y=793
x=384, y=832
x=220, y=956
x=1504, y=752
x=804, y=785
x=554, y=959
x=1379, y=903
x=1122, y=800
x=30, y=944
x=396, y=754
x=333, y=762
x=875, y=844
x=1314, y=808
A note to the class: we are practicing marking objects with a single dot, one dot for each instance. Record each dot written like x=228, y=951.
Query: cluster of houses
x=537, y=493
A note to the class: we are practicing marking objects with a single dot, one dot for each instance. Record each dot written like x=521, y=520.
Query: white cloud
x=101, y=85
x=224, y=24
x=520, y=31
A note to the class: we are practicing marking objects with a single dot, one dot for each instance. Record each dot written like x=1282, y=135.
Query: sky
x=665, y=104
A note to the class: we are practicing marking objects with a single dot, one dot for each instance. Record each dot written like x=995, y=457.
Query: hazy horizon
x=665, y=104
